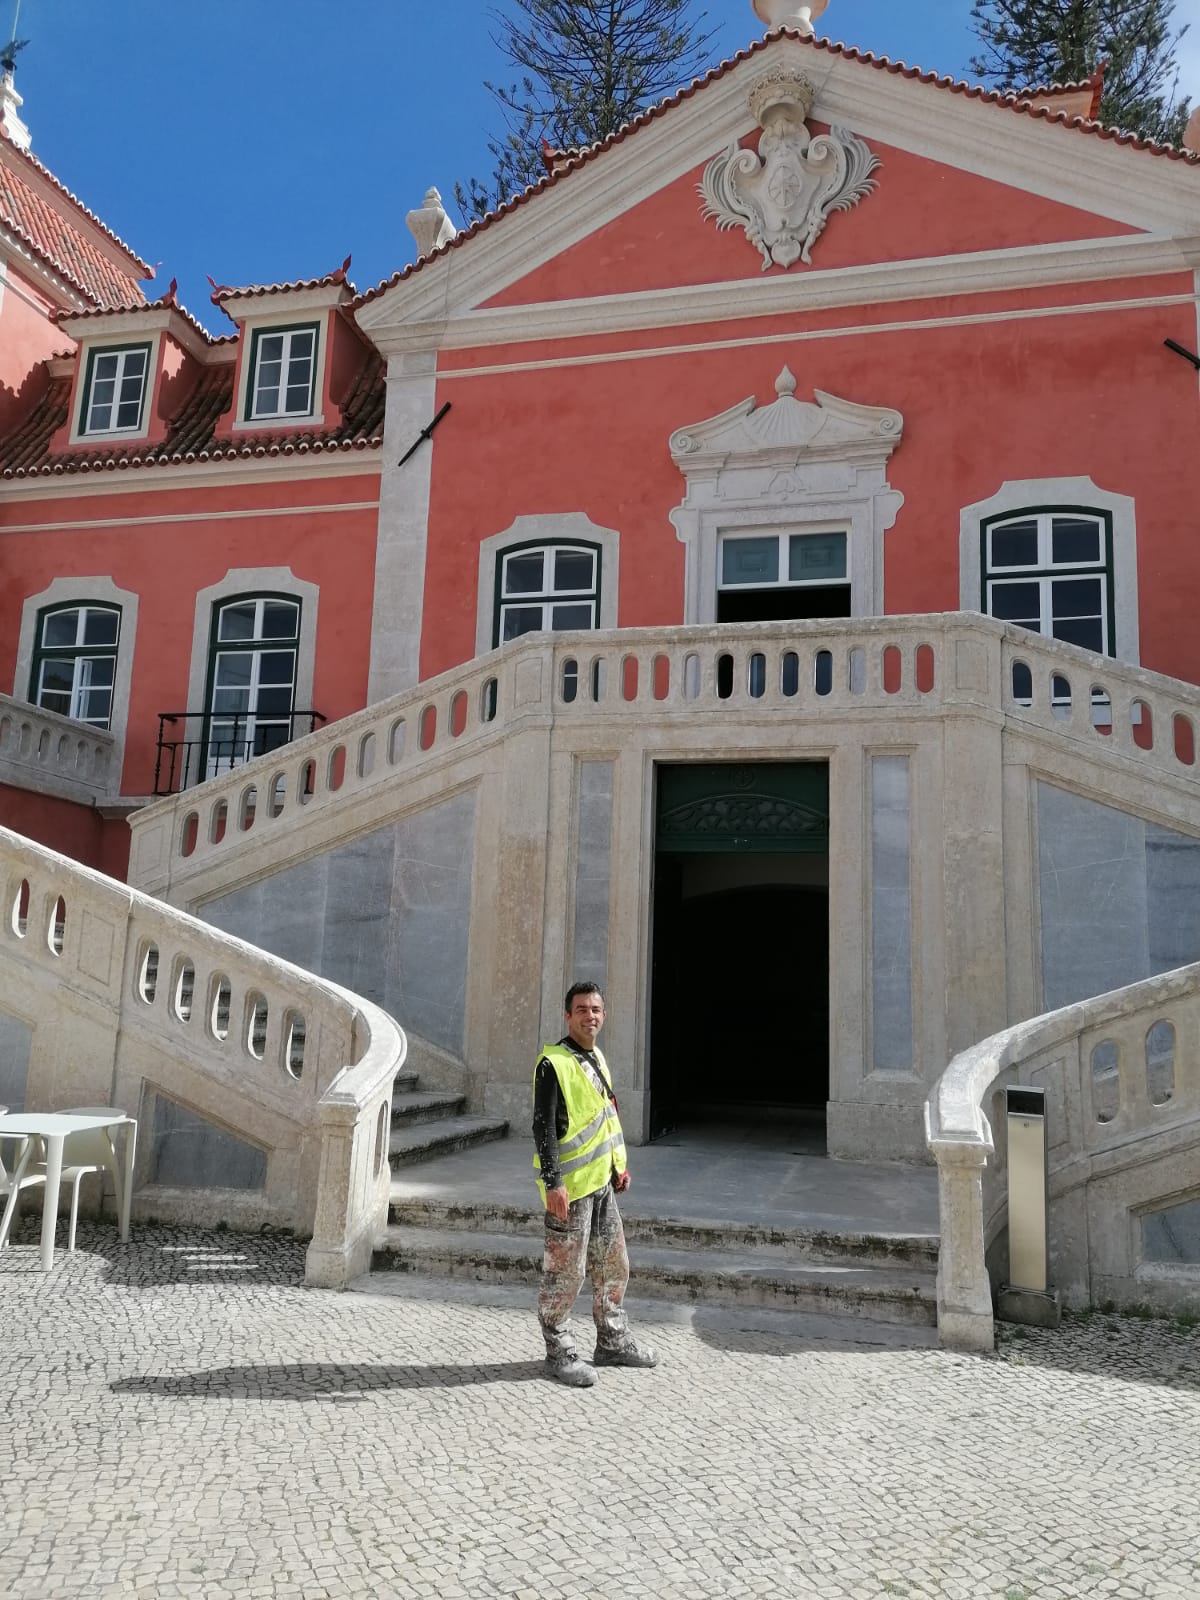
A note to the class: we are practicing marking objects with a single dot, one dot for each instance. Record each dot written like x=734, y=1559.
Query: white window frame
x=1045, y=572
x=83, y=658
x=1023, y=496
x=88, y=427
x=254, y=411
x=62, y=594
x=238, y=583
x=547, y=598
x=255, y=647
x=571, y=528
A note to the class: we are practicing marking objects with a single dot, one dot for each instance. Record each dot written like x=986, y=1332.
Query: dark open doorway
x=740, y=979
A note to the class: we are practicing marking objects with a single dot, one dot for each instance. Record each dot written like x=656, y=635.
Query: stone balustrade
x=127, y=999
x=54, y=755
x=750, y=673
x=1121, y=1075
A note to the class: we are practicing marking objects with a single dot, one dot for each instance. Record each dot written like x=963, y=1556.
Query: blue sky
x=260, y=140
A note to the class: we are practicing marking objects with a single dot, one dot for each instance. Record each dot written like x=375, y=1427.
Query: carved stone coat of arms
x=782, y=194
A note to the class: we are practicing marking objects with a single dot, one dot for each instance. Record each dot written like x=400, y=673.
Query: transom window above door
x=1051, y=572
x=75, y=661
x=782, y=558
x=551, y=588
x=115, y=390
x=770, y=577
x=283, y=366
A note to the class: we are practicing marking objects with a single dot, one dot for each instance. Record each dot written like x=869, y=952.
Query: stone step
x=427, y=1139
x=754, y=1277
x=404, y=1082
x=425, y=1105
x=817, y=1244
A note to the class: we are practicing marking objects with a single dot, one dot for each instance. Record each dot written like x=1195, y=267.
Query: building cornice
x=291, y=467
x=877, y=283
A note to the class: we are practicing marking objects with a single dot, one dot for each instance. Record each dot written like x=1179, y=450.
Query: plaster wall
x=589, y=422
x=28, y=337
x=168, y=545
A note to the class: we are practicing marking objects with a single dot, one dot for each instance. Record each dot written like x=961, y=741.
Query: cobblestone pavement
x=182, y=1418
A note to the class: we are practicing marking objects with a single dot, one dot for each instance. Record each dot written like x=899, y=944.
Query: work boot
x=576, y=1374
x=628, y=1354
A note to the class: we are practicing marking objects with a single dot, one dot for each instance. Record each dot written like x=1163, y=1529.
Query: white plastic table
x=52, y=1128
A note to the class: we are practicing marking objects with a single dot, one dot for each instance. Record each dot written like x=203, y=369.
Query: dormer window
x=114, y=391
x=283, y=371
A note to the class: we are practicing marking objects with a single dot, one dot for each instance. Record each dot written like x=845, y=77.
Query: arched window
x=551, y=587
x=1051, y=571
x=251, y=678
x=75, y=661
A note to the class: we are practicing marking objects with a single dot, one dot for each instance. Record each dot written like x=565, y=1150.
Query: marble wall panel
x=891, y=917
x=430, y=920
x=16, y=1041
x=188, y=1152
x=1173, y=1235
x=387, y=914
x=1119, y=897
x=593, y=871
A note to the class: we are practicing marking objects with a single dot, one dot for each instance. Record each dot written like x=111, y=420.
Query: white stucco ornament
x=829, y=430
x=782, y=194
x=429, y=224
x=789, y=14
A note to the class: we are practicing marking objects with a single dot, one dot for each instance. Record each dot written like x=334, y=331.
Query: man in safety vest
x=580, y=1166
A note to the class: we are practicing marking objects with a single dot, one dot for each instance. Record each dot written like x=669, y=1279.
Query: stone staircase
x=431, y=1122
x=881, y=1277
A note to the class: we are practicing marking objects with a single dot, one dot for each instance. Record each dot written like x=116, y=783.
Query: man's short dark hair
x=587, y=987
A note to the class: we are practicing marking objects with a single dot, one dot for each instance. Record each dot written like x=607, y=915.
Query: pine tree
x=587, y=67
x=1035, y=42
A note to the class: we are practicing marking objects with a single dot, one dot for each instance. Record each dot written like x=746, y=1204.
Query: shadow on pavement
x=323, y=1380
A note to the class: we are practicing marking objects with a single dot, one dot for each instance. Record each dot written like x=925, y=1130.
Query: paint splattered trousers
x=590, y=1243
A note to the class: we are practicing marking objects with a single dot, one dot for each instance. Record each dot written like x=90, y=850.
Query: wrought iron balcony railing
x=195, y=745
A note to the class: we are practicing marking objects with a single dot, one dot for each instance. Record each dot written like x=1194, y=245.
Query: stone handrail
x=915, y=665
x=133, y=997
x=55, y=755
x=961, y=1138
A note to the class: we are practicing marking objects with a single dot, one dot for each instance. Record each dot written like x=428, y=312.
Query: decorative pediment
x=787, y=430
x=782, y=194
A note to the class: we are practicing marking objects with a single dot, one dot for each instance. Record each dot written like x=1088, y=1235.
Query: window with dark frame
x=75, y=661
x=283, y=371
x=114, y=390
x=547, y=587
x=1050, y=569
x=253, y=655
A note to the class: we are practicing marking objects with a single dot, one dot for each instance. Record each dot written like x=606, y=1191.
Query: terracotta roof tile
x=50, y=234
x=191, y=436
x=165, y=302
x=565, y=162
x=224, y=291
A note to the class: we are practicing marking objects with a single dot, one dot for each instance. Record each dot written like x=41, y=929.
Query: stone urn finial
x=790, y=13
x=429, y=224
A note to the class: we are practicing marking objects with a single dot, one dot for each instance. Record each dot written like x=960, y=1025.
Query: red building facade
x=954, y=305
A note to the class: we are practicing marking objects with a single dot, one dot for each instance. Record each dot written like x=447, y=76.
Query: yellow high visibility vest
x=594, y=1145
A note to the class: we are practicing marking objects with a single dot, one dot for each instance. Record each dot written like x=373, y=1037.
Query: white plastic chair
x=90, y=1150
x=33, y=1175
